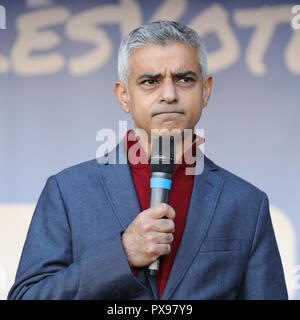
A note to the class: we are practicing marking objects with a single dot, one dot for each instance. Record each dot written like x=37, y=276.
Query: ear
x=208, y=83
x=122, y=96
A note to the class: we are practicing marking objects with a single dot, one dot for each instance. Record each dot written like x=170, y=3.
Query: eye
x=186, y=80
x=149, y=82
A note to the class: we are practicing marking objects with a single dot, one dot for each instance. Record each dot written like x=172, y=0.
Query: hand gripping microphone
x=162, y=164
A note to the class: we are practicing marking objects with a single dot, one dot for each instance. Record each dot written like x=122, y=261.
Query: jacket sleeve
x=264, y=277
x=47, y=270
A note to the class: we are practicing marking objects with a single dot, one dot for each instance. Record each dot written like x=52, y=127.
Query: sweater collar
x=137, y=157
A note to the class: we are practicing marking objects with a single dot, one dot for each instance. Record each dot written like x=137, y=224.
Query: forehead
x=161, y=59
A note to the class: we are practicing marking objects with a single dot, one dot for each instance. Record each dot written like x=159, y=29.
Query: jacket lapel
x=206, y=189
x=115, y=177
x=117, y=182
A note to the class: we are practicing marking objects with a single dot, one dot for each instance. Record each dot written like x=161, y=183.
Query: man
x=93, y=236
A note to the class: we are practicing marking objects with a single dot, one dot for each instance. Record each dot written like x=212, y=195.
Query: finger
x=165, y=238
x=162, y=210
x=164, y=225
x=164, y=249
x=160, y=237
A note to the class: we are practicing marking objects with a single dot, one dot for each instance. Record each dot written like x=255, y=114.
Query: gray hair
x=159, y=33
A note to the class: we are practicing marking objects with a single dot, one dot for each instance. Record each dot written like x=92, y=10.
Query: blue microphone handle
x=160, y=186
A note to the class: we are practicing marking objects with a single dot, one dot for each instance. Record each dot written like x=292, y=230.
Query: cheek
x=191, y=95
x=141, y=105
x=194, y=105
x=140, y=114
x=197, y=115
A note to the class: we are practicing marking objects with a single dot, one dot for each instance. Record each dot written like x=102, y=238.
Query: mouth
x=168, y=114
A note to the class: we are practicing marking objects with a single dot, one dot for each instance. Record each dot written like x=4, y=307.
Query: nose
x=168, y=94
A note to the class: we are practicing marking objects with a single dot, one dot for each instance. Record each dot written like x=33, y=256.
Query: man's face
x=165, y=88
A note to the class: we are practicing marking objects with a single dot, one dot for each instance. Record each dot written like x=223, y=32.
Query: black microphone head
x=163, y=154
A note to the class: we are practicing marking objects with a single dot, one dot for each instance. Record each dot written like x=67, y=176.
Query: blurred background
x=58, y=65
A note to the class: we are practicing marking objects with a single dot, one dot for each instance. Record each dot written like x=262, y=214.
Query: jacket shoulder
x=78, y=172
x=234, y=183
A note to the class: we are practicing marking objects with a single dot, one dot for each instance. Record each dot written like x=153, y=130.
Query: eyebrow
x=149, y=75
x=184, y=73
x=177, y=75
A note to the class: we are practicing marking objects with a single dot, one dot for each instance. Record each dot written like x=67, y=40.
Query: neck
x=182, y=142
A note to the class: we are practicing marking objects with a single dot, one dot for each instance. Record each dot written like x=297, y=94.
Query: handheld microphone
x=162, y=164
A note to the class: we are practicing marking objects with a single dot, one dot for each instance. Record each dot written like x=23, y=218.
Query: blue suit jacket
x=73, y=249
